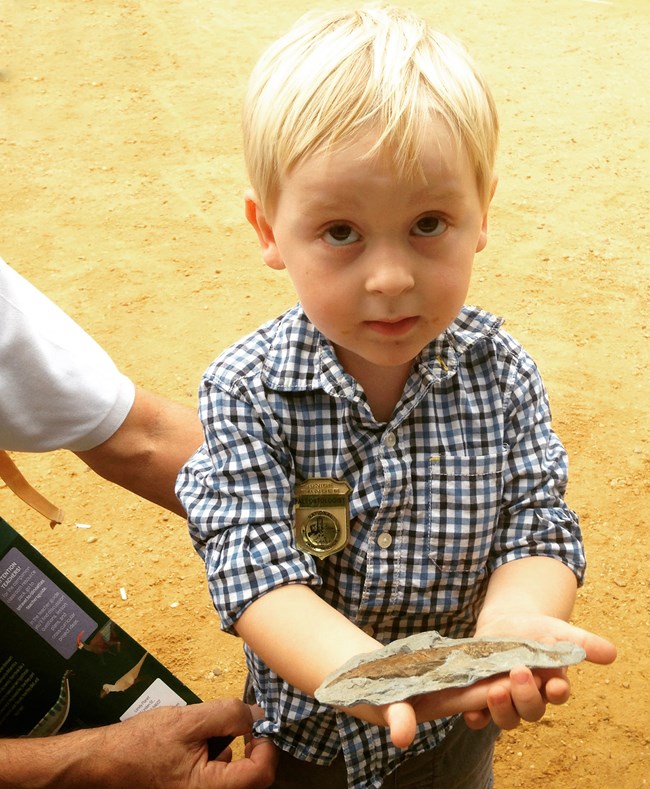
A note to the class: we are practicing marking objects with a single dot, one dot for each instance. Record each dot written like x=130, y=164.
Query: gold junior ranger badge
x=322, y=516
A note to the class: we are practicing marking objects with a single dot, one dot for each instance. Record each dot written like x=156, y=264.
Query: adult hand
x=164, y=748
x=173, y=751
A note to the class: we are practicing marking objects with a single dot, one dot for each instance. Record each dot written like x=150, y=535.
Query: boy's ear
x=256, y=216
x=482, y=239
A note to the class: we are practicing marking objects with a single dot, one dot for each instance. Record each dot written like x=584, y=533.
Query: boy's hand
x=519, y=696
x=507, y=699
x=525, y=693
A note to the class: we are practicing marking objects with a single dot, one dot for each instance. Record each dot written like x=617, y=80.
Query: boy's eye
x=340, y=234
x=429, y=226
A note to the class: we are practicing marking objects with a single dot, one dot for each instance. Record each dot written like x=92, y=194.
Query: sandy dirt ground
x=121, y=199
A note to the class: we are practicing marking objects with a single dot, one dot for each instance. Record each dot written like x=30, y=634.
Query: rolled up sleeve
x=535, y=519
x=238, y=494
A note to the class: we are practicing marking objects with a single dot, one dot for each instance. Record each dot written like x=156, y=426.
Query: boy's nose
x=389, y=272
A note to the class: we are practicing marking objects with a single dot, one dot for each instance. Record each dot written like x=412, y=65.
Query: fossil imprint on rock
x=427, y=662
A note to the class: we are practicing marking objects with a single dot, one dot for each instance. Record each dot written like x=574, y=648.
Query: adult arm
x=147, y=451
x=60, y=389
x=165, y=748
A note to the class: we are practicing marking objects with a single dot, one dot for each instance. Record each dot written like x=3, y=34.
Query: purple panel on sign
x=39, y=602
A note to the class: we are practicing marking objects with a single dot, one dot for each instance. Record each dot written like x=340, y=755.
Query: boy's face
x=381, y=264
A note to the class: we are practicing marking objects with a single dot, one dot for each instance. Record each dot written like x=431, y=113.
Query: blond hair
x=338, y=75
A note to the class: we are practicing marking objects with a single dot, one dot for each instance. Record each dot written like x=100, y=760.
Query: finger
x=264, y=758
x=501, y=709
x=257, y=712
x=255, y=772
x=451, y=701
x=254, y=743
x=477, y=719
x=400, y=718
x=557, y=690
x=526, y=695
x=225, y=756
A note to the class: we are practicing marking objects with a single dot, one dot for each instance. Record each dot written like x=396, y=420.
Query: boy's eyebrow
x=445, y=193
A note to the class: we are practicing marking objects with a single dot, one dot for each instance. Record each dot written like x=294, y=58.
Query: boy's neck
x=384, y=397
x=383, y=386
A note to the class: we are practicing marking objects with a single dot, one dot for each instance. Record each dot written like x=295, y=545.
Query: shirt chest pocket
x=463, y=504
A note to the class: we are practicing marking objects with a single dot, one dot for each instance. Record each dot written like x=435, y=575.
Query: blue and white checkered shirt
x=466, y=476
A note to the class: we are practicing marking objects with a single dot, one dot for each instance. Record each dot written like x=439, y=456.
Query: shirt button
x=384, y=540
x=390, y=440
x=369, y=630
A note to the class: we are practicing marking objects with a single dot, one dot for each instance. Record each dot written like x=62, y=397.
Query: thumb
x=597, y=648
x=221, y=717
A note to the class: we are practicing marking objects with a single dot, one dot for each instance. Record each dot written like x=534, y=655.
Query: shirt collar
x=301, y=359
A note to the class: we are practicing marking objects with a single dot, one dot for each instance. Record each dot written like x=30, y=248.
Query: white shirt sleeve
x=58, y=387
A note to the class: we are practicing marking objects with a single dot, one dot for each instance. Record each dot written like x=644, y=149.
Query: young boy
x=379, y=461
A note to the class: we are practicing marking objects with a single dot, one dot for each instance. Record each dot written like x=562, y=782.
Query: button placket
x=384, y=539
x=379, y=579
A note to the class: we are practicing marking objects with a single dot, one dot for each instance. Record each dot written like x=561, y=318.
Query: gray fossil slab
x=427, y=662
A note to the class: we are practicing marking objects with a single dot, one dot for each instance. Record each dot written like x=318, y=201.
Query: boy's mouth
x=393, y=328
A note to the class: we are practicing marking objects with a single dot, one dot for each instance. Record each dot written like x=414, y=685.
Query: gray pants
x=462, y=761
